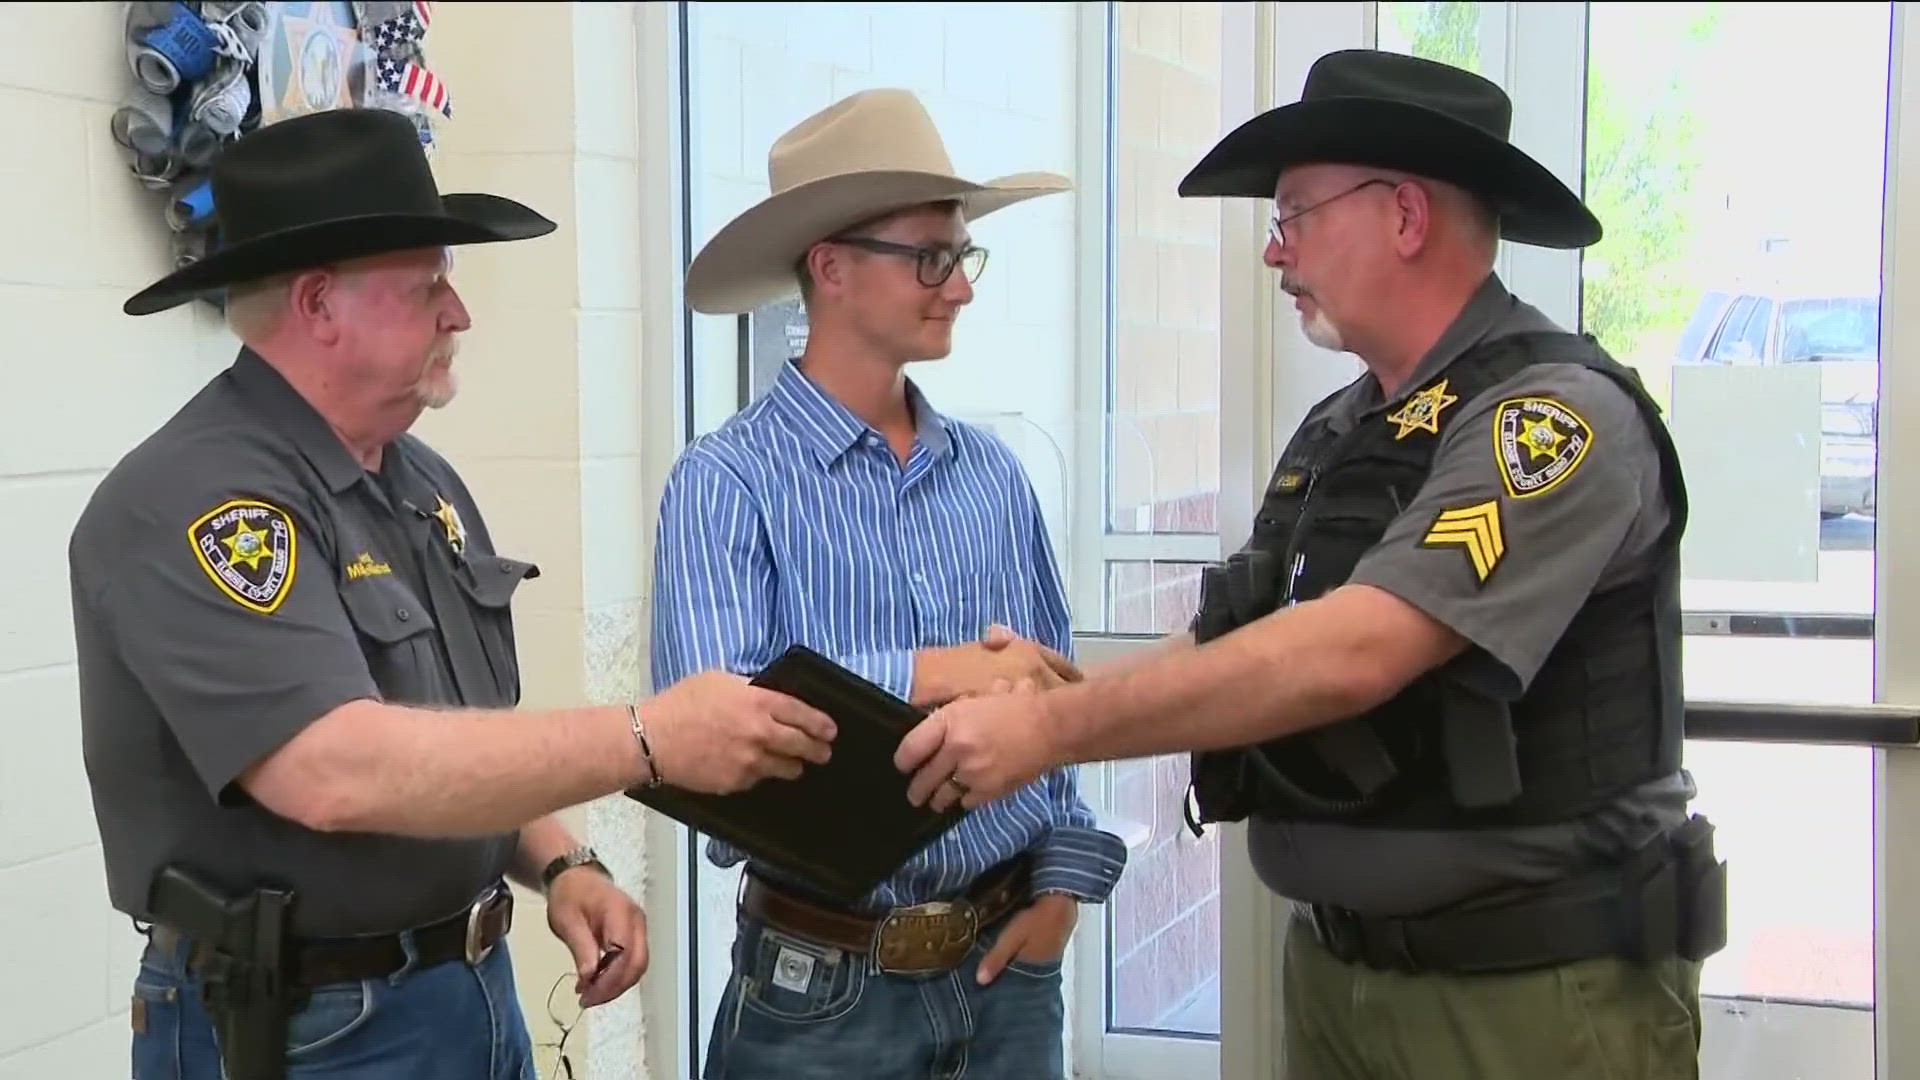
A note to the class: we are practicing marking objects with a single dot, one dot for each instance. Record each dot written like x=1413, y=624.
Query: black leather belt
x=469, y=936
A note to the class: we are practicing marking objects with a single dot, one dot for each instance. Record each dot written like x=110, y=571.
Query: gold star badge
x=1422, y=411
x=449, y=519
x=246, y=545
x=1540, y=438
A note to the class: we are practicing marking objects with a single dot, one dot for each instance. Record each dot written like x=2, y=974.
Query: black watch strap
x=580, y=856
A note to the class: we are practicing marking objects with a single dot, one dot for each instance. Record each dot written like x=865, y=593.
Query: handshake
x=714, y=732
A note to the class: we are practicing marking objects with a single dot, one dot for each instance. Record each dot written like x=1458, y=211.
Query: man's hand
x=715, y=733
x=1037, y=935
x=604, y=930
x=976, y=750
x=960, y=671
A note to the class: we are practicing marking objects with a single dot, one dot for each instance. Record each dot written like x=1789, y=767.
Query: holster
x=1701, y=880
x=241, y=950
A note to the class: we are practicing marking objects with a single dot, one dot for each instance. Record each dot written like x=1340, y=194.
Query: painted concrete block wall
x=82, y=384
x=546, y=430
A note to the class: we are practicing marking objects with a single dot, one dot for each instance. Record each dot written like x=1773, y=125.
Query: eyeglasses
x=565, y=1015
x=1274, y=226
x=932, y=265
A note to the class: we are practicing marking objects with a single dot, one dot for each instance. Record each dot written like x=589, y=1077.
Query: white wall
x=82, y=382
x=547, y=432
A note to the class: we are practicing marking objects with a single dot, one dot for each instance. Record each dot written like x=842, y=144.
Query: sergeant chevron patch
x=1474, y=528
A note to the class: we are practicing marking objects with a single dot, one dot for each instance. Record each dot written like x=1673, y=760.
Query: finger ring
x=957, y=785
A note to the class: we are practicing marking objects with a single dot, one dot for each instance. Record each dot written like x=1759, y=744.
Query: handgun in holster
x=240, y=949
x=1679, y=887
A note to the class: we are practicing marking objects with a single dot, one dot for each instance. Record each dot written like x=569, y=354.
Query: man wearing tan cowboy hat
x=1442, y=678
x=842, y=512
x=298, y=672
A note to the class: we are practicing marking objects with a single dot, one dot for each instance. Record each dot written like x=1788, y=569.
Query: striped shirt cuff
x=1080, y=862
x=891, y=669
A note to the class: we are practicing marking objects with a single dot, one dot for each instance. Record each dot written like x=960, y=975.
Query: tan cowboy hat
x=860, y=158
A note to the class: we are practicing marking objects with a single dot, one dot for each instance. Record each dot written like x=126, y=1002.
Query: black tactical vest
x=1459, y=748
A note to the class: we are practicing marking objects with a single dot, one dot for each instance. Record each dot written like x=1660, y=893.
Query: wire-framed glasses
x=1275, y=224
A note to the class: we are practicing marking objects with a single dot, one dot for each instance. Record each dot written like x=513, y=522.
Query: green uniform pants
x=1593, y=1020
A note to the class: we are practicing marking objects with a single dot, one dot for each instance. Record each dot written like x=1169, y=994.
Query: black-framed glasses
x=932, y=265
x=1274, y=225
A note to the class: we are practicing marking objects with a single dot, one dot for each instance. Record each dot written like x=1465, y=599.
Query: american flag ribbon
x=404, y=29
x=408, y=78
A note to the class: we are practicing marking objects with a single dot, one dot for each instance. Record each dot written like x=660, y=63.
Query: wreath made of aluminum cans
x=206, y=72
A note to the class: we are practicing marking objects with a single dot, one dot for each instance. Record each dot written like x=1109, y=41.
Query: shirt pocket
x=396, y=633
x=490, y=583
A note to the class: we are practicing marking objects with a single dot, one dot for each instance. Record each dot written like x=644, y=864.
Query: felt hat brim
x=751, y=261
x=465, y=219
x=1534, y=206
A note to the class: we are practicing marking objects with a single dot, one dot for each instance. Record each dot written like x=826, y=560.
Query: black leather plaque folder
x=843, y=827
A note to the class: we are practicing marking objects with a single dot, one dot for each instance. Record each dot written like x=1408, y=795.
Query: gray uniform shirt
x=1562, y=540
x=237, y=576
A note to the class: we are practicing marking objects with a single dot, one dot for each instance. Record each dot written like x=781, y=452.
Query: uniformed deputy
x=296, y=661
x=1442, y=677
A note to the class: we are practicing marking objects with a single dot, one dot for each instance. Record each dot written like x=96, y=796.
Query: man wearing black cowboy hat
x=297, y=662
x=1442, y=678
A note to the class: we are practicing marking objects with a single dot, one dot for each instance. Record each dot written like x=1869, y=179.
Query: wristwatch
x=580, y=856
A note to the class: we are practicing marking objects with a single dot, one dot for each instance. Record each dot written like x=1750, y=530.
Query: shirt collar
x=1484, y=311
x=830, y=429
x=281, y=409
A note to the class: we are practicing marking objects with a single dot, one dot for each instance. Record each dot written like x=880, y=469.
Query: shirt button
x=403, y=614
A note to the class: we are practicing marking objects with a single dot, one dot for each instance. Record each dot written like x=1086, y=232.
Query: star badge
x=1422, y=411
x=449, y=519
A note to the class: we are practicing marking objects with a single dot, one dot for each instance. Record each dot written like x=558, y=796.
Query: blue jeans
x=794, y=1010
x=445, y=1022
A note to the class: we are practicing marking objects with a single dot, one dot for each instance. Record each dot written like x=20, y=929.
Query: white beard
x=438, y=391
x=1321, y=331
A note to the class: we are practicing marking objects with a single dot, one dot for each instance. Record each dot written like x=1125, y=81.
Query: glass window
x=1448, y=32
x=1163, y=479
x=1096, y=363
x=1686, y=113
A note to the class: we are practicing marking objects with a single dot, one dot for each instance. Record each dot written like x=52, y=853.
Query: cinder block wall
x=82, y=384
x=546, y=430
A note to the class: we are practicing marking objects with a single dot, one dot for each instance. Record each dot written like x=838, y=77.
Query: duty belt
x=923, y=938
x=470, y=935
x=1651, y=908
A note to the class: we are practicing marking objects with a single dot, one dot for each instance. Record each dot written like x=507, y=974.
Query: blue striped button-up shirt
x=794, y=523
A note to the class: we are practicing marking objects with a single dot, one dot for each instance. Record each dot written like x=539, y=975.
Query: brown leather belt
x=470, y=935
x=923, y=938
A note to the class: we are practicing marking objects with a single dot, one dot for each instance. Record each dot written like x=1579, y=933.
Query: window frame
x=1281, y=378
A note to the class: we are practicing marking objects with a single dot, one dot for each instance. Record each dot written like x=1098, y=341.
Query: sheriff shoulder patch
x=1539, y=442
x=248, y=548
x=1474, y=529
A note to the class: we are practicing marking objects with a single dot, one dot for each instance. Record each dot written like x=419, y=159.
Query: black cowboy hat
x=1391, y=111
x=328, y=186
